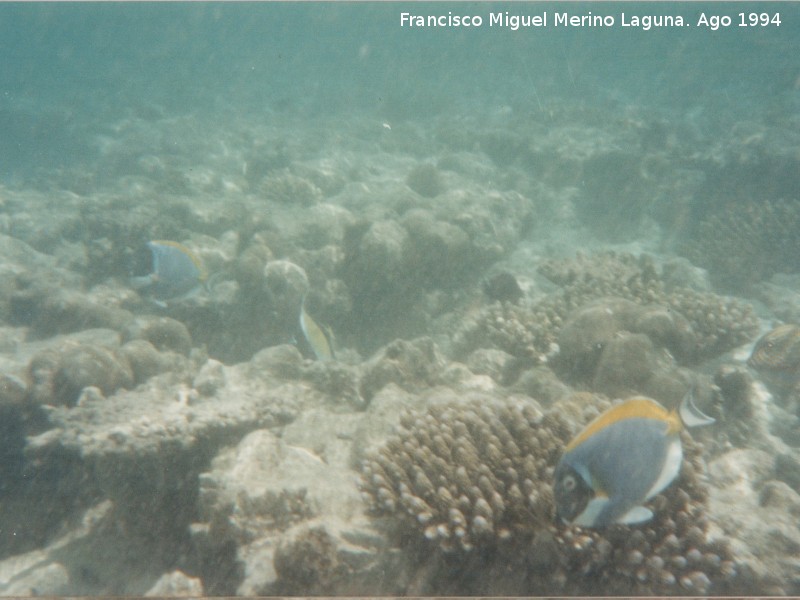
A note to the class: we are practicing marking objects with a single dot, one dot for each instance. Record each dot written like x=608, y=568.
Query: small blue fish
x=175, y=272
x=624, y=457
x=314, y=341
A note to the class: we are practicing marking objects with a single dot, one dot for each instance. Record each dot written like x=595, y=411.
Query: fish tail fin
x=690, y=414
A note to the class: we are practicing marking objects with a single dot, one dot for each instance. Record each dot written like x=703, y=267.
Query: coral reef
x=288, y=511
x=50, y=311
x=469, y=475
x=146, y=361
x=705, y=324
x=190, y=449
x=719, y=323
x=411, y=365
x=426, y=180
x=524, y=331
x=390, y=262
x=285, y=187
x=776, y=357
x=84, y=366
x=308, y=564
x=746, y=242
x=466, y=475
x=58, y=376
x=584, y=339
x=672, y=554
x=163, y=333
x=503, y=286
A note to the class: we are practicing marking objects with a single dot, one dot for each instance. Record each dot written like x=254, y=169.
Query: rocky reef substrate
x=191, y=449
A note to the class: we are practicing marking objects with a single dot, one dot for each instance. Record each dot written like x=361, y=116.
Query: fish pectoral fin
x=588, y=518
x=139, y=282
x=599, y=512
x=638, y=514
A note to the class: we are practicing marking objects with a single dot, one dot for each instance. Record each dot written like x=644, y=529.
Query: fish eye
x=569, y=483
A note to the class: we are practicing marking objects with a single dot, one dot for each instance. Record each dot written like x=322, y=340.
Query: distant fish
x=172, y=272
x=624, y=457
x=314, y=341
x=778, y=353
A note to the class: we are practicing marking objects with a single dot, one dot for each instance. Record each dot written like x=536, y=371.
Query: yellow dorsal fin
x=641, y=408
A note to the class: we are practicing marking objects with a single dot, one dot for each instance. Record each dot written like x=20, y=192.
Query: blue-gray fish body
x=175, y=273
x=624, y=457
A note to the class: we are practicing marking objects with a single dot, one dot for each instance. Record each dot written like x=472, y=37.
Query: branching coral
x=466, y=475
x=476, y=476
x=528, y=331
x=525, y=331
x=747, y=242
x=719, y=322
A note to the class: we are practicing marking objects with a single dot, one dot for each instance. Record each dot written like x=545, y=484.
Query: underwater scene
x=400, y=298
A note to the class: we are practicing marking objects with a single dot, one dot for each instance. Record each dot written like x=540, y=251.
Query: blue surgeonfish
x=624, y=457
x=314, y=341
x=173, y=272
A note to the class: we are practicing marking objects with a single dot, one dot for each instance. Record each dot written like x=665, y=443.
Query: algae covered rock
x=145, y=360
x=13, y=390
x=58, y=375
x=439, y=253
x=285, y=187
x=765, y=538
x=295, y=520
x=50, y=311
x=85, y=366
x=375, y=258
x=747, y=242
x=248, y=267
x=163, y=333
x=411, y=365
x=309, y=563
x=627, y=363
x=176, y=583
x=426, y=180
x=619, y=345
